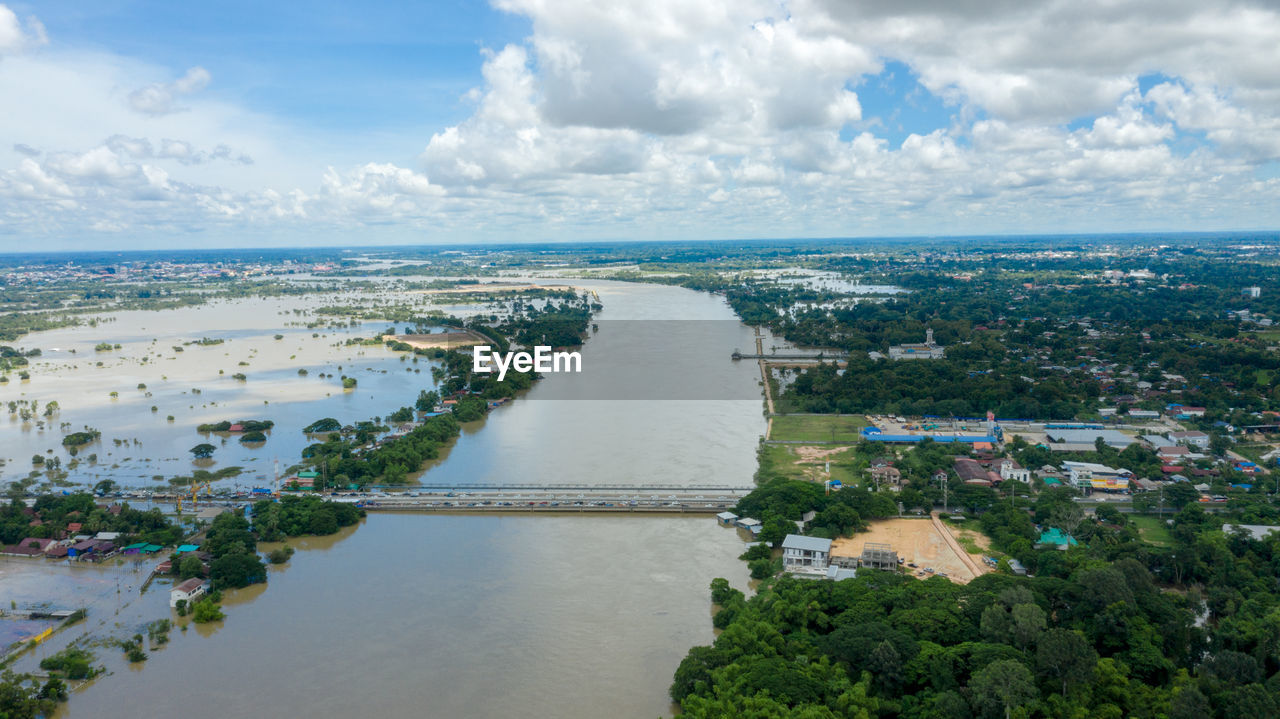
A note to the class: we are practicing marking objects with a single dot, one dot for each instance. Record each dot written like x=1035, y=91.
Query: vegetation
x=57, y=511
x=326, y=425
x=206, y=610
x=70, y=663
x=295, y=516
x=79, y=439
x=247, y=425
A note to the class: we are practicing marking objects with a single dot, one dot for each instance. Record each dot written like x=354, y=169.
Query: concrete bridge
x=793, y=356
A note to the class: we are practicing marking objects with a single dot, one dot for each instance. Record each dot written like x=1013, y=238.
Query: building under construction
x=878, y=556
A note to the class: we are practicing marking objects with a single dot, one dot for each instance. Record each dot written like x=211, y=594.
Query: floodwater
x=431, y=615
x=196, y=386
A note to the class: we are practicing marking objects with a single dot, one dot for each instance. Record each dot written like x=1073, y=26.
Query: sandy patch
x=917, y=541
x=444, y=340
x=815, y=454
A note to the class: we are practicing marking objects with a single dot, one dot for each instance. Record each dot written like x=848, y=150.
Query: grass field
x=780, y=460
x=818, y=428
x=1152, y=529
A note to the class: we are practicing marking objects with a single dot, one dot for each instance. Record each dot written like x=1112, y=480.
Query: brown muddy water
x=430, y=615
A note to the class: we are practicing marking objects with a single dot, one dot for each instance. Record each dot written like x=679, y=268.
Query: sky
x=148, y=124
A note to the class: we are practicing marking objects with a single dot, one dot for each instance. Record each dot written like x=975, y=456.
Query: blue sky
x=336, y=65
x=153, y=124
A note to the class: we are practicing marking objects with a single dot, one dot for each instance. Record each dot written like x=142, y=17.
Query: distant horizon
x=533, y=244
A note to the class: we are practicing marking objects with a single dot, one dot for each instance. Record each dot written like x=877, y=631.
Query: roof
x=1193, y=434
x=1053, y=535
x=726, y=516
x=809, y=544
x=188, y=548
x=1156, y=440
x=969, y=469
x=836, y=573
x=1090, y=436
x=24, y=550
x=189, y=586
x=1259, y=531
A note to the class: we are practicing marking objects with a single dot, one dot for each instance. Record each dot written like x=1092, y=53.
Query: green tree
x=1004, y=683
x=1066, y=656
x=203, y=450
x=190, y=566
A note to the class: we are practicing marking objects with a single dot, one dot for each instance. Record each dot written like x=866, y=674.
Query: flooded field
x=436, y=615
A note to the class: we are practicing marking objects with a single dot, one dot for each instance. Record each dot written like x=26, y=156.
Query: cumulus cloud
x=665, y=118
x=16, y=35
x=162, y=98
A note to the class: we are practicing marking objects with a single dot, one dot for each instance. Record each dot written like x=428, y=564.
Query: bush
x=760, y=568
x=281, y=555
x=72, y=662
x=253, y=437
x=757, y=551
x=206, y=611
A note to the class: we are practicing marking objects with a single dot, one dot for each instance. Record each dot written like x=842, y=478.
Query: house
x=42, y=544
x=82, y=548
x=1196, y=439
x=1171, y=453
x=886, y=475
x=1157, y=441
x=56, y=551
x=22, y=549
x=805, y=553
x=1181, y=411
x=1011, y=470
x=107, y=536
x=928, y=350
x=726, y=519
x=1144, y=414
x=236, y=428
x=188, y=591
x=1017, y=568
x=751, y=525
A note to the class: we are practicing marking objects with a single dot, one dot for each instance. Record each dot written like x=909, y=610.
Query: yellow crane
x=195, y=490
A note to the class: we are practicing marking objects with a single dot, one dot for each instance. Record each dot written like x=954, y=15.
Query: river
x=488, y=616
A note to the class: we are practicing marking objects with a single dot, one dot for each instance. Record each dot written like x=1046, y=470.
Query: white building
x=805, y=553
x=928, y=350
x=1200, y=440
x=1088, y=475
x=188, y=590
x=1010, y=469
x=1252, y=291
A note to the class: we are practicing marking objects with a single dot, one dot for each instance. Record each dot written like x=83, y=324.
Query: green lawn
x=818, y=428
x=781, y=460
x=1152, y=529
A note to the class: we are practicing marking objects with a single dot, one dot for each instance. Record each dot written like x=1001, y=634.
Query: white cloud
x=162, y=98
x=14, y=37
x=666, y=118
